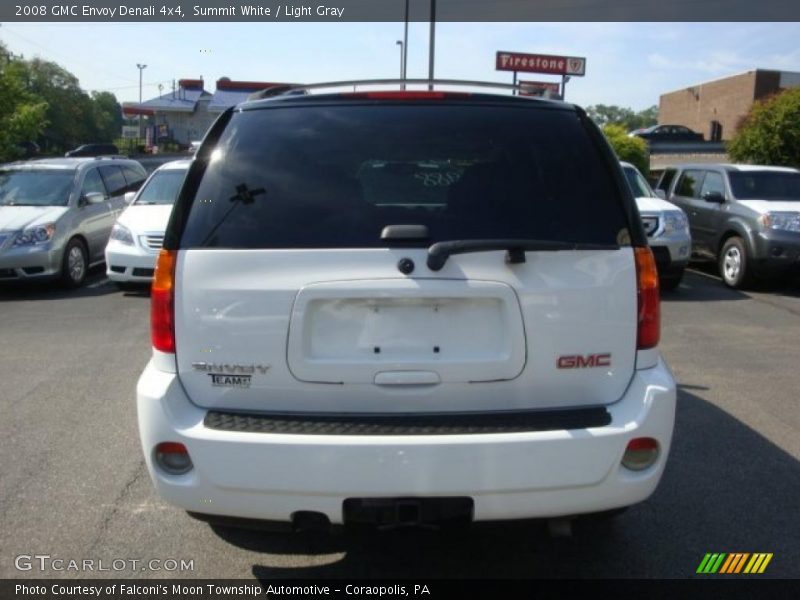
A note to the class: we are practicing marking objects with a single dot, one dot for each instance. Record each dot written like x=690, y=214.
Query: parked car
x=94, y=150
x=666, y=226
x=27, y=149
x=745, y=217
x=56, y=214
x=139, y=232
x=404, y=307
x=667, y=133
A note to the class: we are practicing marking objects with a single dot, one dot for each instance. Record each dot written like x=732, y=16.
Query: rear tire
x=734, y=264
x=125, y=286
x=670, y=281
x=75, y=264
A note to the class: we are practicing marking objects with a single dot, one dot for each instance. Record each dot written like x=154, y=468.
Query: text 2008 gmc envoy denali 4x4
x=405, y=306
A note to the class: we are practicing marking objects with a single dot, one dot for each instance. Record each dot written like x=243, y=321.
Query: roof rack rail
x=303, y=89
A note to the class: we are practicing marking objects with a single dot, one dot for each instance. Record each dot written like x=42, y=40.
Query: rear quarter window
x=335, y=176
x=114, y=179
x=134, y=177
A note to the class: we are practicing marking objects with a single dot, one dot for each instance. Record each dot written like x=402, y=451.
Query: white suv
x=405, y=307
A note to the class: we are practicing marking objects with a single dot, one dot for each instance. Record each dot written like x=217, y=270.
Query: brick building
x=714, y=108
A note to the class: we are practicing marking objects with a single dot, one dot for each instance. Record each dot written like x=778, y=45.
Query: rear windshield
x=765, y=185
x=163, y=187
x=335, y=176
x=33, y=187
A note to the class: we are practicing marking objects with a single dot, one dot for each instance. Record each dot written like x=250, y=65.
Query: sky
x=628, y=64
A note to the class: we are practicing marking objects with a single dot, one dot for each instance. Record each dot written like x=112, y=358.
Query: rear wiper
x=439, y=252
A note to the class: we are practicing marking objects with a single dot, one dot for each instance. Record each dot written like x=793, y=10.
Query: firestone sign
x=541, y=63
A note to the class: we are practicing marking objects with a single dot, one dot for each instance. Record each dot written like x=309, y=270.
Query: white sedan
x=139, y=232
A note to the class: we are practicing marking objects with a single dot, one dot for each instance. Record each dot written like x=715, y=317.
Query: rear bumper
x=508, y=475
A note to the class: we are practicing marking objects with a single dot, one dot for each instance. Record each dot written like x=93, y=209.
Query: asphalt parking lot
x=73, y=483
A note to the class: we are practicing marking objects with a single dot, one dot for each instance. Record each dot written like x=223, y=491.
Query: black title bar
x=394, y=10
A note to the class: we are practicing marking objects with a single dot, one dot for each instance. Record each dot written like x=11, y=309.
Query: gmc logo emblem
x=577, y=361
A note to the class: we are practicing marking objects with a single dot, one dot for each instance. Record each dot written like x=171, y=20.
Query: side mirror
x=129, y=196
x=715, y=197
x=93, y=198
x=661, y=194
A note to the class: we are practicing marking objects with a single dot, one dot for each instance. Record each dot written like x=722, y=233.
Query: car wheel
x=734, y=264
x=670, y=281
x=75, y=264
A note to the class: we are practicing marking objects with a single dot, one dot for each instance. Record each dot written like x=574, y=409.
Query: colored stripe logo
x=734, y=563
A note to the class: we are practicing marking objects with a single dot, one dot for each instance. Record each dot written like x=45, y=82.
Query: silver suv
x=666, y=226
x=744, y=217
x=56, y=214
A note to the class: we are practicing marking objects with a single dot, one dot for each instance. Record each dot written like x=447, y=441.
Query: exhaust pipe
x=309, y=520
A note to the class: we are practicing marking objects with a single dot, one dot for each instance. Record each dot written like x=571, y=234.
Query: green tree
x=69, y=110
x=605, y=114
x=22, y=113
x=630, y=149
x=770, y=132
x=107, y=115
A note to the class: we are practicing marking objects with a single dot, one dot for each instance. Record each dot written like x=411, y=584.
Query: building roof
x=731, y=76
x=230, y=93
x=190, y=91
x=183, y=99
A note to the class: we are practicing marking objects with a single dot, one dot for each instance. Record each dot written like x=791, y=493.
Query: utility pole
x=402, y=62
x=432, y=44
x=405, y=46
x=564, y=80
x=141, y=68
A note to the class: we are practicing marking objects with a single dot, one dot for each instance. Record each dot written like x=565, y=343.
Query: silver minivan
x=56, y=215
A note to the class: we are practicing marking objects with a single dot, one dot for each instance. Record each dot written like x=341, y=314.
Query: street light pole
x=432, y=44
x=141, y=68
x=402, y=60
x=405, y=45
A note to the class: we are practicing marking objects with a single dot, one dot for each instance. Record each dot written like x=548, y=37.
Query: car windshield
x=639, y=186
x=765, y=185
x=163, y=187
x=35, y=187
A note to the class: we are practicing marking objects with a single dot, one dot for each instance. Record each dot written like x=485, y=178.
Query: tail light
x=640, y=454
x=173, y=457
x=162, y=300
x=649, y=322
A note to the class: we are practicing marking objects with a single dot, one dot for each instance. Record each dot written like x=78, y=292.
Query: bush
x=630, y=149
x=770, y=133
